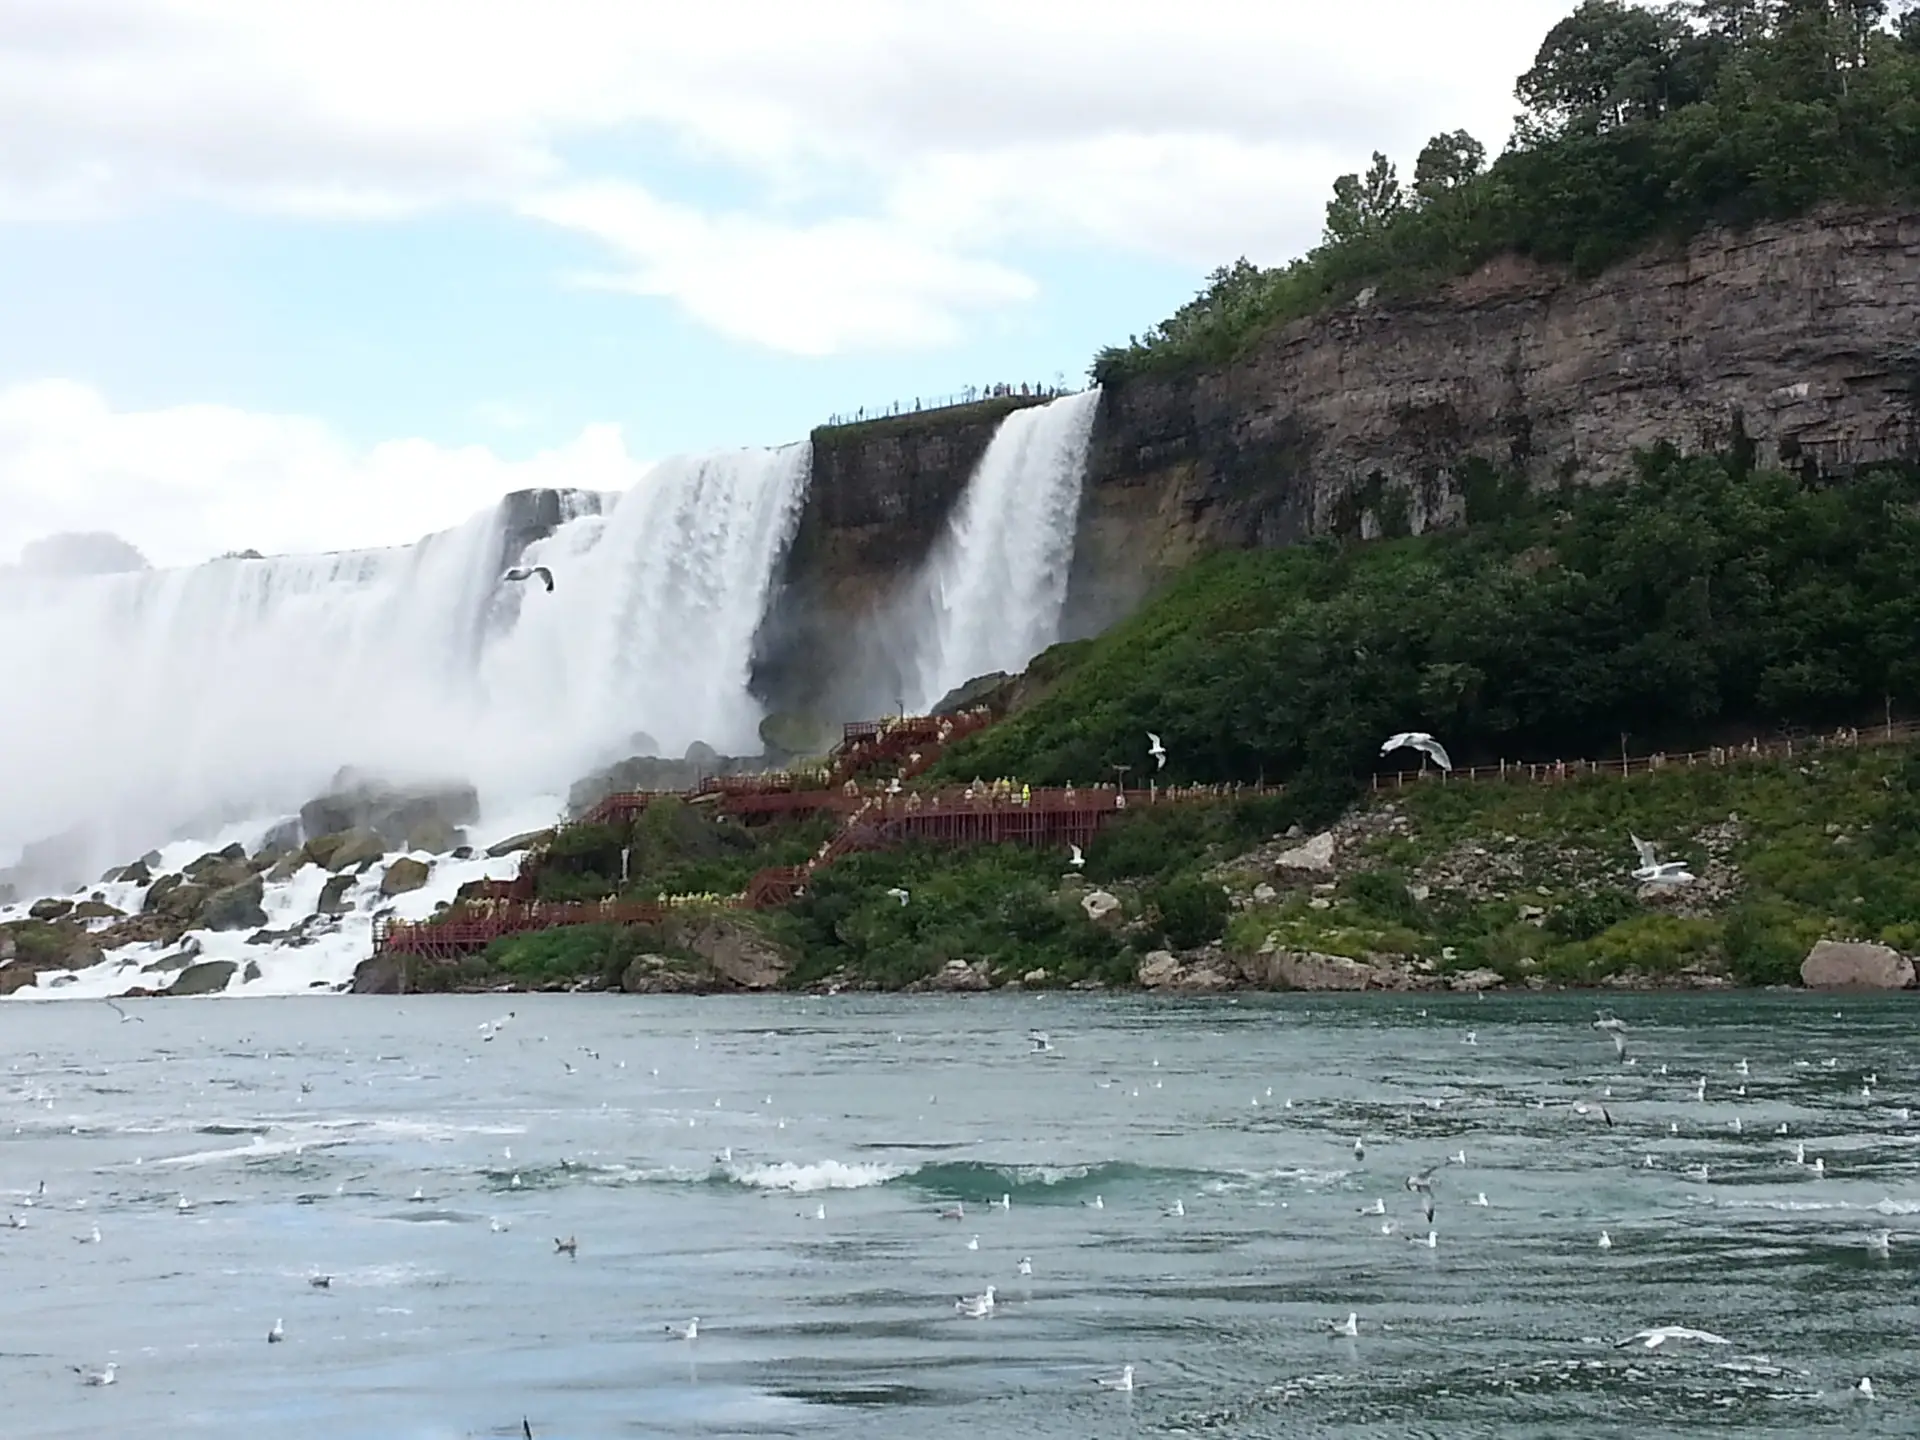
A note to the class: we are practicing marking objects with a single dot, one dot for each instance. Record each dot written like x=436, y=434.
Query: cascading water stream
x=996, y=583
x=140, y=703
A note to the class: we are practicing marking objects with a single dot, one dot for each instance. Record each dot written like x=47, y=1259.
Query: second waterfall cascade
x=996, y=583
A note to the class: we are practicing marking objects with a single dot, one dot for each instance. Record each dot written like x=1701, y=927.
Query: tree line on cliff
x=1639, y=122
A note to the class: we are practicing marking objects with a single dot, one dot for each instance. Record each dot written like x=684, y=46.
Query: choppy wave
x=803, y=1177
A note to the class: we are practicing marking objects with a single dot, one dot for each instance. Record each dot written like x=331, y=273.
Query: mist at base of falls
x=143, y=703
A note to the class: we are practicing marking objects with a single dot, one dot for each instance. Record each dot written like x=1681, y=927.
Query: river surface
x=298, y=1132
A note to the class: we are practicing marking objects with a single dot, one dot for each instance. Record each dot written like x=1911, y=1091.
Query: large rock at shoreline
x=382, y=975
x=1855, y=965
x=1163, y=970
x=209, y=977
x=237, y=907
x=735, y=951
x=664, y=975
x=1310, y=970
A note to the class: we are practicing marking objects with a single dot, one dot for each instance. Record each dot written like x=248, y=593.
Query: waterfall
x=139, y=703
x=996, y=582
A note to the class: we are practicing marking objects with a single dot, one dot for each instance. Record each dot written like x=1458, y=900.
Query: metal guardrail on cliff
x=972, y=395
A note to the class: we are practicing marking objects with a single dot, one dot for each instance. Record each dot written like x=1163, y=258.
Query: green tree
x=1605, y=65
x=1362, y=205
x=1447, y=163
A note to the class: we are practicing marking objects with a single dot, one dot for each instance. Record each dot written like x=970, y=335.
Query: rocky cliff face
x=1800, y=340
x=877, y=498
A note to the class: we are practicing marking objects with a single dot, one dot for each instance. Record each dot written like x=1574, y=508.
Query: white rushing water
x=144, y=703
x=996, y=582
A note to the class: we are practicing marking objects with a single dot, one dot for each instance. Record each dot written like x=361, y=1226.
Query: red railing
x=474, y=924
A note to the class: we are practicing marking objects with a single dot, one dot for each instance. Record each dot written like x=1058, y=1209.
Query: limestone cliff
x=1800, y=339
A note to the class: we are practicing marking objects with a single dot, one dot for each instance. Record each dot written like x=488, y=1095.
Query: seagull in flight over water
x=527, y=572
x=124, y=1016
x=1660, y=1335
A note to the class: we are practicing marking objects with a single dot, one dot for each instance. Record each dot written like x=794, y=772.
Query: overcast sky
x=296, y=274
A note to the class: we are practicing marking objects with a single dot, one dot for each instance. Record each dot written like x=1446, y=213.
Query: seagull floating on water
x=688, y=1331
x=276, y=1334
x=1176, y=1210
x=1480, y=1200
x=102, y=1376
x=1378, y=1207
x=973, y=1243
x=957, y=1211
x=568, y=1246
x=1348, y=1326
x=320, y=1282
x=1122, y=1381
x=527, y=572
x=976, y=1307
x=1864, y=1389
x=1606, y=1241
x=1026, y=1265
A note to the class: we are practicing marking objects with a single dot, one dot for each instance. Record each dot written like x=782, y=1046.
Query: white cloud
x=812, y=289
x=898, y=153
x=193, y=481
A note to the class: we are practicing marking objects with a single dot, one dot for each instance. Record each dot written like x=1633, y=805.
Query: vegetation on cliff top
x=1704, y=601
x=1640, y=122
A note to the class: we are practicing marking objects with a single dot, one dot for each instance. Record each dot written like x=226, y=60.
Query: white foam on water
x=819, y=1175
x=996, y=583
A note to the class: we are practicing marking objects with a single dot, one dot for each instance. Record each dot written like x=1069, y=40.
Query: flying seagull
x=896, y=893
x=1654, y=1339
x=1653, y=871
x=1157, y=750
x=527, y=572
x=124, y=1016
x=1078, y=859
x=1421, y=741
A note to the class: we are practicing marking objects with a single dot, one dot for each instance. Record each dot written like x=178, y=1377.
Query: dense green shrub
x=1191, y=912
x=1699, y=600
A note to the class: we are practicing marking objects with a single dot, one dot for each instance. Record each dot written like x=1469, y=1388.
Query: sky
x=313, y=274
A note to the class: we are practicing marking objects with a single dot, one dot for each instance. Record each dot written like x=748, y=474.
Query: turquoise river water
x=780, y=1169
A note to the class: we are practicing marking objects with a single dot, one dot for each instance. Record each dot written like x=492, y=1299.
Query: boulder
x=1102, y=908
x=404, y=876
x=356, y=847
x=333, y=896
x=1264, y=894
x=664, y=975
x=49, y=909
x=391, y=812
x=789, y=733
x=209, y=977
x=172, y=897
x=434, y=835
x=16, y=977
x=279, y=842
x=287, y=866
x=1157, y=970
x=237, y=907
x=961, y=975
x=1311, y=970
x=94, y=910
x=1476, y=980
x=737, y=952
x=1035, y=977
x=1854, y=965
x=1313, y=857
x=513, y=844
x=178, y=960
x=251, y=973
x=381, y=975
